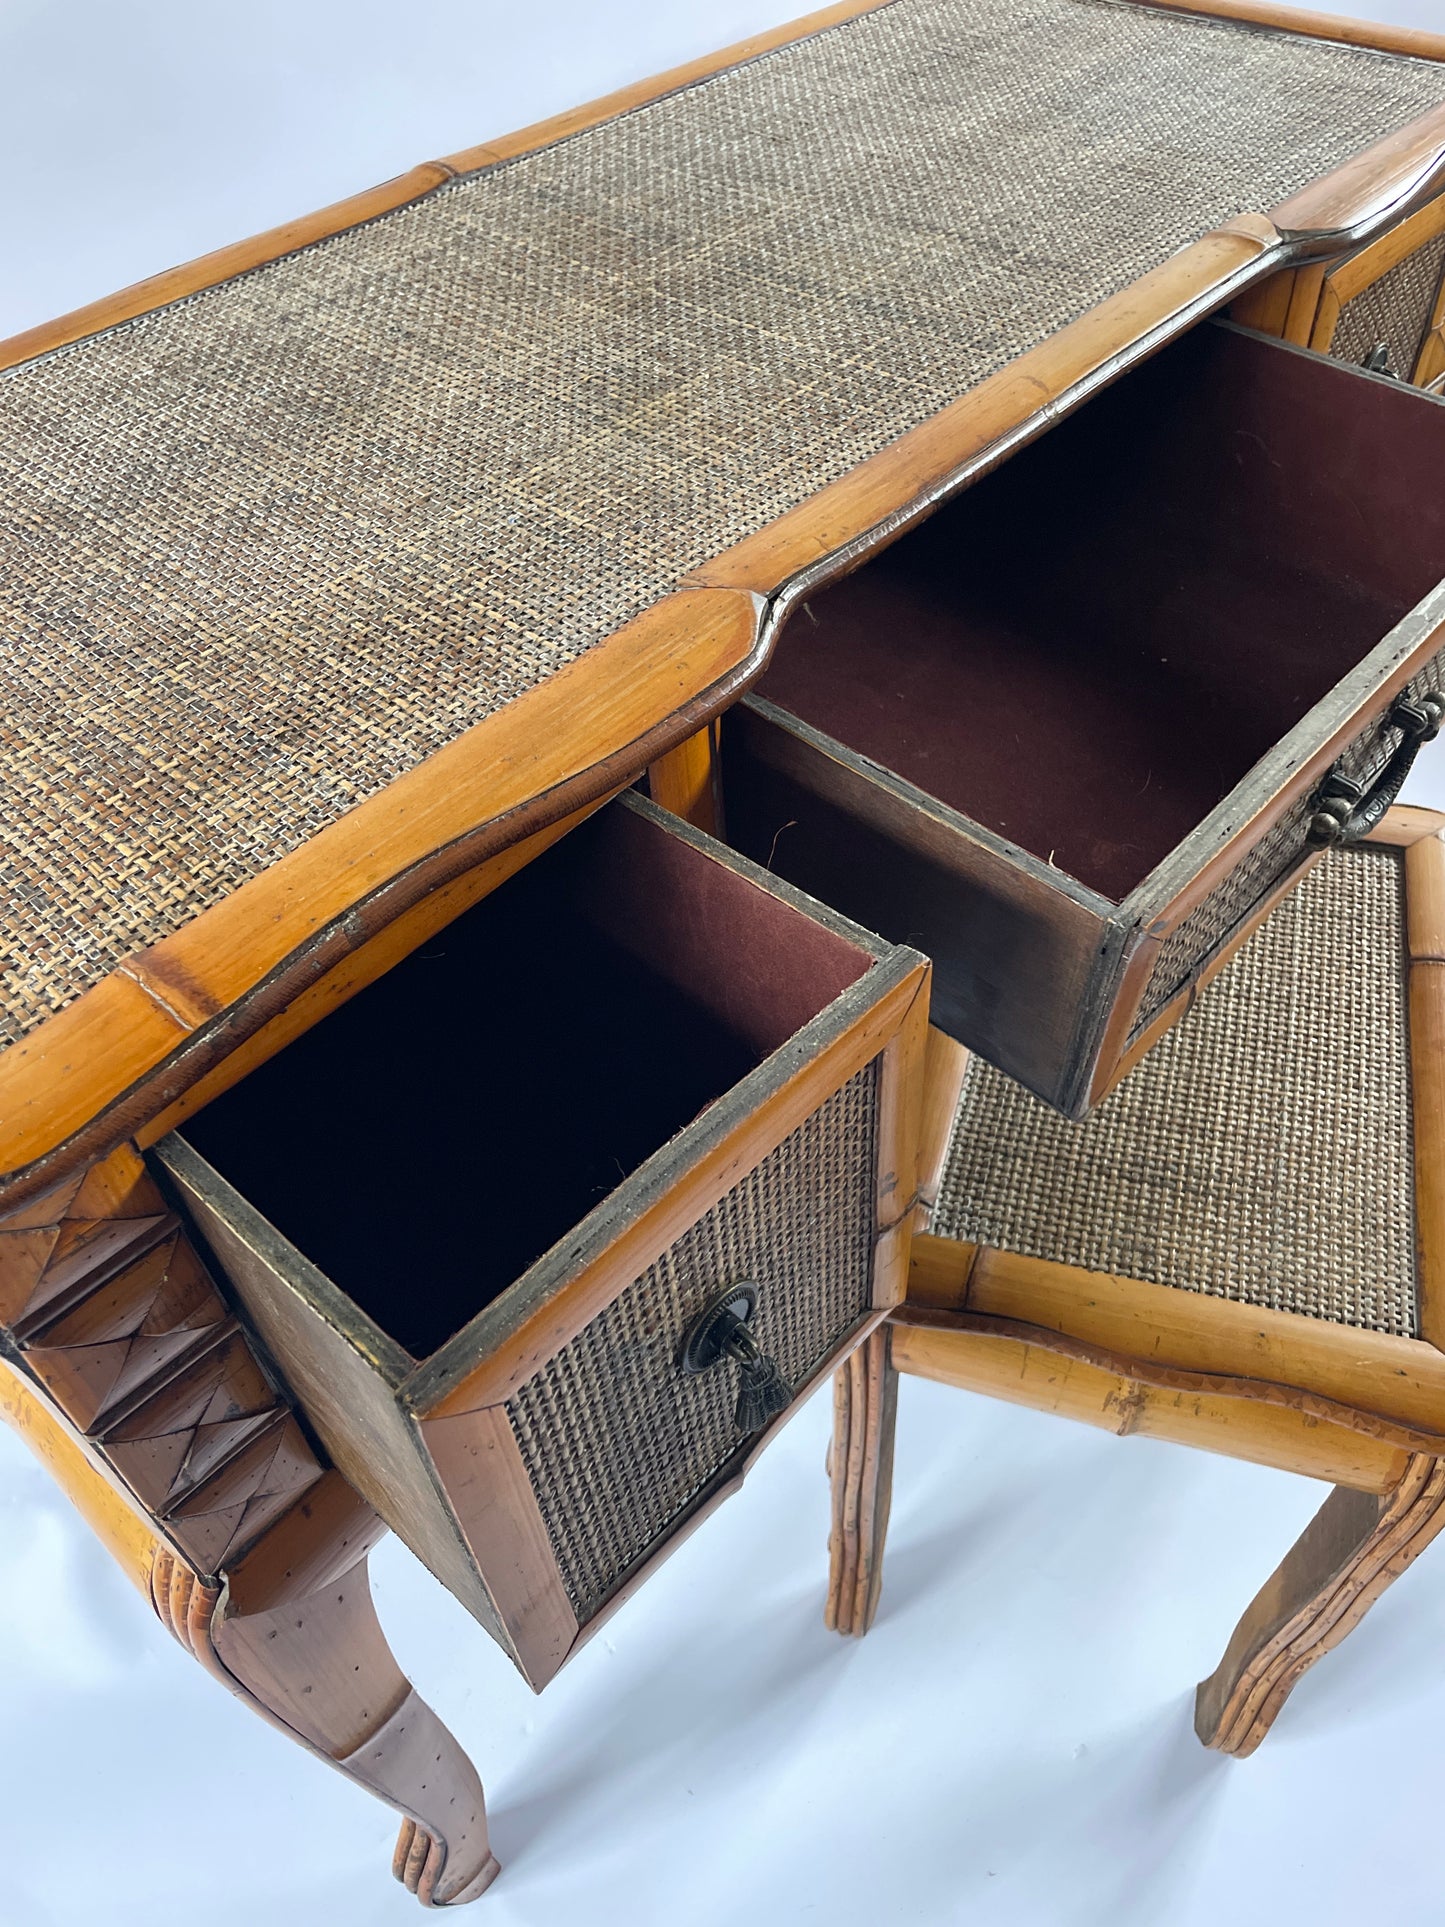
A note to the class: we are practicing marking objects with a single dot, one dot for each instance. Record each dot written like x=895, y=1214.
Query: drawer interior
x=430, y=1140
x=1088, y=649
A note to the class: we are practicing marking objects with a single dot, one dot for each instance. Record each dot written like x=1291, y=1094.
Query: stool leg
x=1353, y=1548
x=318, y=1666
x=860, y=1466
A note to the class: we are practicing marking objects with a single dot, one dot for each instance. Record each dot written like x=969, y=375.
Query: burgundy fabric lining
x=1090, y=648
x=752, y=962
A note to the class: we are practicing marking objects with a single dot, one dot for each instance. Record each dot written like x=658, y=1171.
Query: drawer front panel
x=616, y=1440
x=1190, y=946
x=1396, y=310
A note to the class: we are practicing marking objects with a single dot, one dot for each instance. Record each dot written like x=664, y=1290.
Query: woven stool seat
x=1263, y=1151
x=265, y=550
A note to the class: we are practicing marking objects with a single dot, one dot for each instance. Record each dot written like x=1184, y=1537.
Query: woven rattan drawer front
x=479, y=1214
x=1214, y=925
x=1031, y=734
x=1393, y=314
x=618, y=1443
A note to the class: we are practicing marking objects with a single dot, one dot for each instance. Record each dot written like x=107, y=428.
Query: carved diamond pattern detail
x=123, y=1326
x=129, y=1331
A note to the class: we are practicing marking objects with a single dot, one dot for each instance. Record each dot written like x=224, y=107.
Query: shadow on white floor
x=1012, y=1743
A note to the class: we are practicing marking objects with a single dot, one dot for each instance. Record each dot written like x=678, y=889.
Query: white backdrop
x=1012, y=1744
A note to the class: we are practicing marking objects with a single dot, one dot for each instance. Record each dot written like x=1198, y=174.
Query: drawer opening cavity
x=1088, y=650
x=430, y=1140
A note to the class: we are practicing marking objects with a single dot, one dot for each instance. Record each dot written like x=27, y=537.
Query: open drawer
x=479, y=1215
x=1073, y=733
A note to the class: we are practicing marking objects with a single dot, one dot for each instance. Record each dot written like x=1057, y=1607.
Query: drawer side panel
x=1022, y=968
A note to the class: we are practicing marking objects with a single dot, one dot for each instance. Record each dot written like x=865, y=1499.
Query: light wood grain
x=1364, y=268
x=1427, y=1066
x=1266, y=305
x=320, y=1668
x=860, y=1465
x=1008, y=1360
x=1425, y=897
x=945, y=1066
x=1327, y=317
x=1430, y=369
x=323, y=1535
x=1359, y=271
x=1382, y=184
x=479, y=1467
x=688, y=782
x=1347, y=1413
x=1404, y=824
x=1399, y=1380
x=1304, y=303
x=902, y=1083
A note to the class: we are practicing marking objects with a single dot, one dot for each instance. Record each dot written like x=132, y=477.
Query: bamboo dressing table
x=338, y=594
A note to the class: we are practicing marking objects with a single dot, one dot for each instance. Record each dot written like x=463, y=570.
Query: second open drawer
x=479, y=1215
x=1071, y=734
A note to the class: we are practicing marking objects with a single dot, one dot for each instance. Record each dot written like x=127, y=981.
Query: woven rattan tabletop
x=267, y=549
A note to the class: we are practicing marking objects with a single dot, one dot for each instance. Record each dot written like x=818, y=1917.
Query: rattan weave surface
x=264, y=551
x=1192, y=943
x=616, y=1439
x=1396, y=310
x=1262, y=1151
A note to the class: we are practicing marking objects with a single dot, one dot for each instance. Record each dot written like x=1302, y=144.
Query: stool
x=1240, y=1250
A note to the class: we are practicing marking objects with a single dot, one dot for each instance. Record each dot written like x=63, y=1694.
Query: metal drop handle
x=720, y=1331
x=1345, y=811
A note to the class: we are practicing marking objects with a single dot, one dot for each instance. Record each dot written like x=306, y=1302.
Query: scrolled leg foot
x=419, y=1861
x=295, y=1634
x=320, y=1665
x=1355, y=1546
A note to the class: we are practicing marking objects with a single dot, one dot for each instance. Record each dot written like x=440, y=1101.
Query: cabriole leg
x=312, y=1657
x=1357, y=1543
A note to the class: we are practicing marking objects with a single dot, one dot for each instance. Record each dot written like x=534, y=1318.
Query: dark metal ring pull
x=720, y=1331
x=1344, y=810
